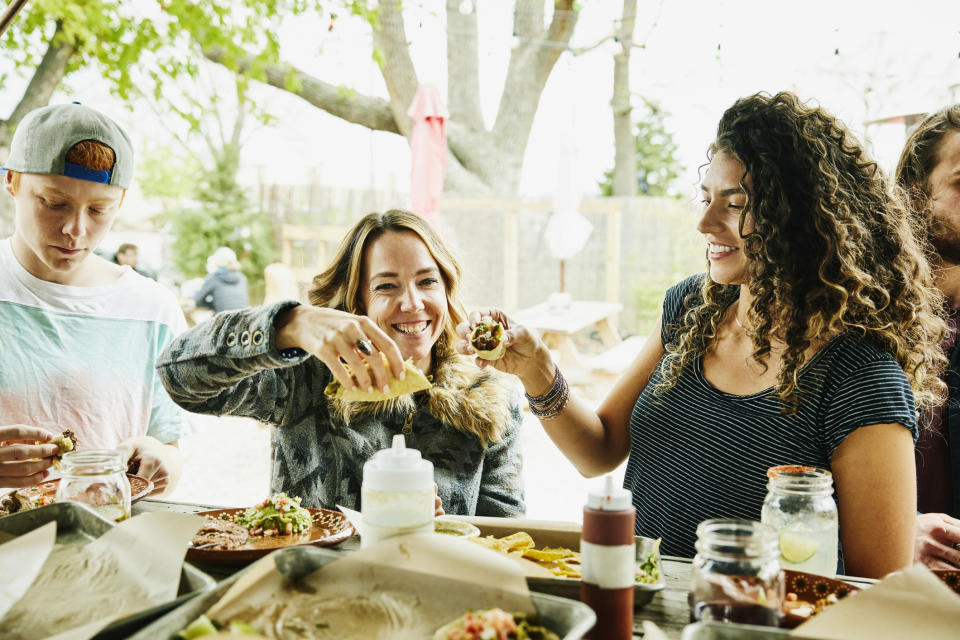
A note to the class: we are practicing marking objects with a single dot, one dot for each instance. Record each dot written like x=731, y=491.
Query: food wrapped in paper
x=487, y=339
x=413, y=381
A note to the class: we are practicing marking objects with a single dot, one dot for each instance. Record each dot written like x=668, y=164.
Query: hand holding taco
x=487, y=339
x=413, y=381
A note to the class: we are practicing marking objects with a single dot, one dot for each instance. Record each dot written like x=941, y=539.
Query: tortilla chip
x=489, y=354
x=413, y=382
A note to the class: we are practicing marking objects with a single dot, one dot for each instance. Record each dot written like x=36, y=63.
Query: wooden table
x=559, y=329
x=669, y=609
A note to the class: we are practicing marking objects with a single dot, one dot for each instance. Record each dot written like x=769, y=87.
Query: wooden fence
x=638, y=246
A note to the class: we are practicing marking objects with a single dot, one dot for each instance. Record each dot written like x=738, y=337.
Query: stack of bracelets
x=550, y=404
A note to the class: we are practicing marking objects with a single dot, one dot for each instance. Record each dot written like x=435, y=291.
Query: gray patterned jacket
x=467, y=424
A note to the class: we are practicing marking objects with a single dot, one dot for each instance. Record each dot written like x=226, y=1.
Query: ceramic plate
x=329, y=528
x=139, y=488
x=455, y=528
x=815, y=589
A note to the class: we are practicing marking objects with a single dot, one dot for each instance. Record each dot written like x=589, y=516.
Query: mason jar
x=736, y=573
x=97, y=478
x=800, y=507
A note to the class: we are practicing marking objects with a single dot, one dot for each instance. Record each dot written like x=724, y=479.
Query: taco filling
x=487, y=339
x=67, y=442
x=493, y=624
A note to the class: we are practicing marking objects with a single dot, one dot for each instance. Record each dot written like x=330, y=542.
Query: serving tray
x=569, y=619
x=78, y=524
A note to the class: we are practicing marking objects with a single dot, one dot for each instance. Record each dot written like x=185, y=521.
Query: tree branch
x=390, y=40
x=530, y=66
x=45, y=79
x=373, y=113
x=462, y=67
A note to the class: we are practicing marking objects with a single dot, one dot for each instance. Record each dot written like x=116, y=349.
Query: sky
x=860, y=60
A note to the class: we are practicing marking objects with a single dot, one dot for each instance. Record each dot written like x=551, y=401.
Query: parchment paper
x=400, y=588
x=134, y=566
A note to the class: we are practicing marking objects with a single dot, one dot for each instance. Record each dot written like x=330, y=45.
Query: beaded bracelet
x=550, y=404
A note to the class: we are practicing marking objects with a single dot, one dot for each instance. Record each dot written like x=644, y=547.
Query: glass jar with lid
x=800, y=507
x=97, y=478
x=736, y=573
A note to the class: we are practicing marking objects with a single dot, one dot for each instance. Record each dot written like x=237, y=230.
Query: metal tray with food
x=78, y=524
x=555, y=547
x=569, y=619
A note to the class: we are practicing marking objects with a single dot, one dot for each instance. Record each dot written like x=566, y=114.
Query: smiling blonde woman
x=390, y=295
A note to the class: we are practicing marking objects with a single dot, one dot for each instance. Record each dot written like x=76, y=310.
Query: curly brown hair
x=833, y=250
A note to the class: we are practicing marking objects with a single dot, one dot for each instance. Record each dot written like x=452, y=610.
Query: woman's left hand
x=437, y=502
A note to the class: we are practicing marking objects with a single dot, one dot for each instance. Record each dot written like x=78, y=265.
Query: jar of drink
x=97, y=478
x=799, y=506
x=736, y=573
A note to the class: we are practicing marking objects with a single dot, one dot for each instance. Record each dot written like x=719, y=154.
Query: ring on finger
x=364, y=346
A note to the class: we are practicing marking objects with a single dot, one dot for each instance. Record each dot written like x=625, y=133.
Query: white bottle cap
x=398, y=469
x=610, y=498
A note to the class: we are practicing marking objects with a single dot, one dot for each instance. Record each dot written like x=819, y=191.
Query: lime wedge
x=198, y=628
x=796, y=548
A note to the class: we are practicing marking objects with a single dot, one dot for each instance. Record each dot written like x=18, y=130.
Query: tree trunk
x=625, y=159
x=45, y=79
x=479, y=161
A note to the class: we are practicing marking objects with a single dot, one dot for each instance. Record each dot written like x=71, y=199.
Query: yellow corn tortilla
x=413, y=382
x=489, y=354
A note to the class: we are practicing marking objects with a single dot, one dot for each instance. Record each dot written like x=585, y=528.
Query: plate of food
x=242, y=535
x=44, y=493
x=807, y=594
x=564, y=562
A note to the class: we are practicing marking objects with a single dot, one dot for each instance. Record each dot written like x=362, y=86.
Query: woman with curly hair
x=810, y=340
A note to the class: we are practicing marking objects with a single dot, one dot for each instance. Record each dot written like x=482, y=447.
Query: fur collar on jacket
x=473, y=400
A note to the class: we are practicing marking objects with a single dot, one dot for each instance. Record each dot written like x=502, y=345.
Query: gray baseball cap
x=45, y=135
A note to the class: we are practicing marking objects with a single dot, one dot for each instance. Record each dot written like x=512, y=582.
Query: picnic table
x=669, y=608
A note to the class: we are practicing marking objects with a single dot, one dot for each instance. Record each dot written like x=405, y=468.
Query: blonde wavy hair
x=338, y=287
x=834, y=250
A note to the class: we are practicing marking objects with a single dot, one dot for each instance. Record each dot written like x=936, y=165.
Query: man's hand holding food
x=24, y=463
x=149, y=458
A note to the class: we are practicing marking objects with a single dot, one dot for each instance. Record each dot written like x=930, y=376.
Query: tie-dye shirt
x=83, y=357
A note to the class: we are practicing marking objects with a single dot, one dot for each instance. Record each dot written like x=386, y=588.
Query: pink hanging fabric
x=428, y=152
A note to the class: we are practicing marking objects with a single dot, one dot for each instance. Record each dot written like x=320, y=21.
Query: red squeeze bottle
x=609, y=561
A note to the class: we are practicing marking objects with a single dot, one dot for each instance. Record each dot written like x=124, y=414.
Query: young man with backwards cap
x=78, y=334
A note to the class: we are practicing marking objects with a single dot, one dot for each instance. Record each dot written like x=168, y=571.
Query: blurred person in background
x=392, y=293
x=128, y=254
x=810, y=340
x=929, y=172
x=80, y=335
x=225, y=288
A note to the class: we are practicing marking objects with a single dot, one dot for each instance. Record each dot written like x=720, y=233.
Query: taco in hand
x=67, y=442
x=487, y=339
x=413, y=382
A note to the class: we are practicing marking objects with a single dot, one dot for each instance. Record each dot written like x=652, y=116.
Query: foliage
x=222, y=215
x=657, y=163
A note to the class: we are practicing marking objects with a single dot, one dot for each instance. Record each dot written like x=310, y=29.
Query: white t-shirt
x=83, y=358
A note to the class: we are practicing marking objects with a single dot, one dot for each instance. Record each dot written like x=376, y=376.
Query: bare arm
x=595, y=442
x=876, y=486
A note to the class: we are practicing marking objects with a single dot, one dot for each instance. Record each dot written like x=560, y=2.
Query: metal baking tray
x=569, y=619
x=733, y=631
x=78, y=524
